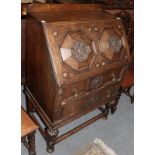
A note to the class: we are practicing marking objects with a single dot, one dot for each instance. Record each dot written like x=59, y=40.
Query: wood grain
x=71, y=66
x=27, y=125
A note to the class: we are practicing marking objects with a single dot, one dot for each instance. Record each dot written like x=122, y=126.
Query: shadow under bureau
x=76, y=56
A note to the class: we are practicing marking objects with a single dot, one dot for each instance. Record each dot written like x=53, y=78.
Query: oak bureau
x=76, y=56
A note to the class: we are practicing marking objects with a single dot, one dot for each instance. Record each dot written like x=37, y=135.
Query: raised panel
x=77, y=51
x=111, y=44
x=85, y=49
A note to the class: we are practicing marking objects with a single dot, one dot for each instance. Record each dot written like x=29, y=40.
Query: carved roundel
x=77, y=51
x=111, y=44
x=96, y=82
x=80, y=51
x=114, y=43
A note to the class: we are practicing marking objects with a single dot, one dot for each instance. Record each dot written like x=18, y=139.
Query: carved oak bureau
x=76, y=56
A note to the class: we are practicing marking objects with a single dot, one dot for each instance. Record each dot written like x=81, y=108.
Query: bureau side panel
x=39, y=74
x=23, y=21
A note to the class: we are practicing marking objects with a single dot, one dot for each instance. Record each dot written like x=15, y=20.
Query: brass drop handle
x=108, y=93
x=75, y=92
x=95, y=28
x=113, y=77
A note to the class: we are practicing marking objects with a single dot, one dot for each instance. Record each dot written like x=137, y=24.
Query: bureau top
x=68, y=12
x=82, y=40
x=64, y=7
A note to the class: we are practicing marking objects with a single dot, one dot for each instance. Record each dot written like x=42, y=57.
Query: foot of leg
x=113, y=109
x=50, y=139
x=105, y=110
x=113, y=104
x=132, y=98
x=128, y=93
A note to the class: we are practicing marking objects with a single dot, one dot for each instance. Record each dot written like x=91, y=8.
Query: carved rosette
x=111, y=44
x=80, y=51
x=114, y=43
x=96, y=82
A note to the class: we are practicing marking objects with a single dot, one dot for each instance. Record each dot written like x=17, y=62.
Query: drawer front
x=74, y=91
x=90, y=100
x=106, y=78
x=84, y=49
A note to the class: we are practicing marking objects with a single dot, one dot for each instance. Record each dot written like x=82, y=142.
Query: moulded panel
x=77, y=51
x=110, y=43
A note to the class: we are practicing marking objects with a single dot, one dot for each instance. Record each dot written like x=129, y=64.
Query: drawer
x=90, y=100
x=105, y=78
x=100, y=80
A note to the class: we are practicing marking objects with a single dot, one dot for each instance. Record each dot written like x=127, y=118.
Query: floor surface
x=117, y=132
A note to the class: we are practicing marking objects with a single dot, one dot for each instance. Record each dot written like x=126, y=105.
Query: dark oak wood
x=125, y=13
x=128, y=82
x=65, y=7
x=29, y=143
x=24, y=9
x=23, y=21
x=127, y=17
x=75, y=62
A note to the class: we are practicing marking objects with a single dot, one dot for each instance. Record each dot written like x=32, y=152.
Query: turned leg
x=128, y=93
x=113, y=104
x=24, y=141
x=50, y=139
x=132, y=98
x=31, y=144
x=113, y=109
